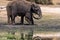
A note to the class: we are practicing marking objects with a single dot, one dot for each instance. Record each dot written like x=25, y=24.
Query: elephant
x=23, y=9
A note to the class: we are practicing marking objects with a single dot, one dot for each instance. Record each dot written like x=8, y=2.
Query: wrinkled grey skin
x=23, y=9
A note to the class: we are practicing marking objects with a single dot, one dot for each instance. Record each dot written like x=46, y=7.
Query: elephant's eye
x=36, y=10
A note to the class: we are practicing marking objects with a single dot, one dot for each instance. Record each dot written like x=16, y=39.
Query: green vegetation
x=20, y=36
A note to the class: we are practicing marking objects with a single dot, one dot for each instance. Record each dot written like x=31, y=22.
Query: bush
x=41, y=1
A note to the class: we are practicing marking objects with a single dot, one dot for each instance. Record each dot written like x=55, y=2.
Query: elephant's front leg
x=8, y=19
x=29, y=18
x=30, y=21
x=22, y=20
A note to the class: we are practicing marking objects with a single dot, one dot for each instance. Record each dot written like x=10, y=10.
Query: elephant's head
x=35, y=9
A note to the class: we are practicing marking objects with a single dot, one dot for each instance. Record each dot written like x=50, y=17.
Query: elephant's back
x=23, y=6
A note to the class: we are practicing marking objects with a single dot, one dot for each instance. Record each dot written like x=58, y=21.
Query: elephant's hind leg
x=8, y=19
x=22, y=20
x=12, y=20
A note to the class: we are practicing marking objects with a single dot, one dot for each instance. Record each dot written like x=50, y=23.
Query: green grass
x=17, y=36
x=8, y=36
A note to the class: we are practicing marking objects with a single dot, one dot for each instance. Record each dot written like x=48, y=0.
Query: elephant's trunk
x=40, y=14
x=37, y=16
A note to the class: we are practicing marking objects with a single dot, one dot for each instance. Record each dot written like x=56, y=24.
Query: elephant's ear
x=32, y=6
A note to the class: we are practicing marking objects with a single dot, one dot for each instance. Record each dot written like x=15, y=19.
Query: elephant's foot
x=18, y=23
x=31, y=23
x=12, y=23
x=9, y=23
x=21, y=23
